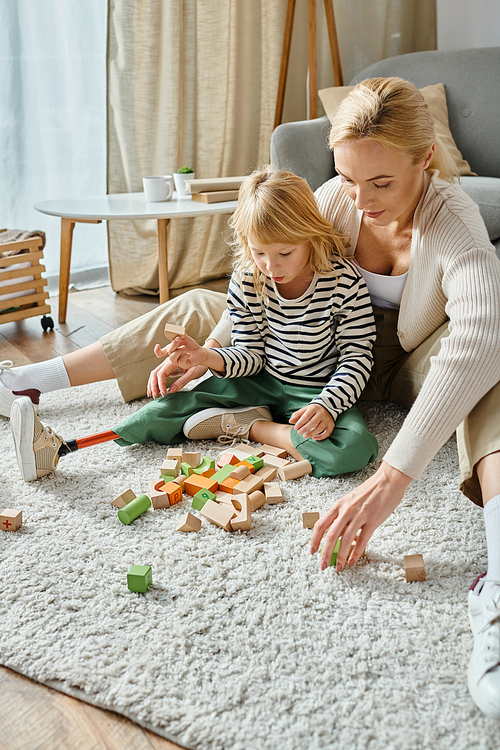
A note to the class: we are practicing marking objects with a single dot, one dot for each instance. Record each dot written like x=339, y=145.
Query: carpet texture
x=242, y=642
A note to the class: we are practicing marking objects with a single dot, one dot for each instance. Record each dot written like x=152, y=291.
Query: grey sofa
x=472, y=80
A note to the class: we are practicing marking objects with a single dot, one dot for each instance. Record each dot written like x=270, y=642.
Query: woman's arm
x=363, y=509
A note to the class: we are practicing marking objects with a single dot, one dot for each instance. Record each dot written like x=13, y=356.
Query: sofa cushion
x=485, y=191
x=435, y=98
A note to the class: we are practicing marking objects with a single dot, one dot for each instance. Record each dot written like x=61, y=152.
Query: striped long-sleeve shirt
x=322, y=339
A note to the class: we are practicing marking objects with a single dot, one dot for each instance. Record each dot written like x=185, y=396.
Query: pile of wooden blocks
x=225, y=493
x=215, y=189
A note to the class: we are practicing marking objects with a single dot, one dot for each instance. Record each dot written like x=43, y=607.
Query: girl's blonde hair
x=392, y=112
x=279, y=207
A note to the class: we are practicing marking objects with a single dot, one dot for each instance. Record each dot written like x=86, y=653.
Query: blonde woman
x=301, y=353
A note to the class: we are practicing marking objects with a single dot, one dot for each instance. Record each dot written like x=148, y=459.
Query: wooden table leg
x=163, y=260
x=67, y=226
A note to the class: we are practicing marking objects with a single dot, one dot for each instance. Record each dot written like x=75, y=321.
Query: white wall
x=463, y=24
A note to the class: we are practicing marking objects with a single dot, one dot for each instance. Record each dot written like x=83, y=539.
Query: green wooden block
x=223, y=473
x=186, y=469
x=201, y=498
x=139, y=578
x=206, y=464
x=134, y=509
x=333, y=561
x=256, y=462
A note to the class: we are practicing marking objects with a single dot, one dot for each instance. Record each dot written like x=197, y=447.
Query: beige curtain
x=195, y=82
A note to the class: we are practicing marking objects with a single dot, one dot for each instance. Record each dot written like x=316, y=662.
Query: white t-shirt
x=385, y=291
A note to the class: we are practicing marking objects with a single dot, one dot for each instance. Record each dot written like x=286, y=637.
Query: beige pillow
x=435, y=98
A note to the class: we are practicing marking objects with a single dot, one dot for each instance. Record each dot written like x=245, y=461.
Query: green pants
x=350, y=447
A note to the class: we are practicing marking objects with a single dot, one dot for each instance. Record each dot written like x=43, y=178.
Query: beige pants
x=396, y=376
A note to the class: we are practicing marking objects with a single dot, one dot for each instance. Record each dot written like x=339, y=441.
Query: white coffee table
x=95, y=209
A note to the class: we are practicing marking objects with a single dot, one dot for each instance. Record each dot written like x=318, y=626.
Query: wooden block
x=273, y=451
x=246, y=449
x=218, y=513
x=247, y=486
x=227, y=458
x=229, y=485
x=169, y=468
x=267, y=474
x=175, y=454
x=206, y=468
x=11, y=519
x=159, y=499
x=180, y=481
x=414, y=568
x=123, y=499
x=275, y=461
x=195, y=483
x=172, y=462
x=257, y=499
x=225, y=497
x=223, y=473
x=139, y=578
x=201, y=498
x=172, y=331
x=173, y=491
x=186, y=469
x=246, y=464
x=191, y=458
x=309, y=519
x=295, y=470
x=215, y=196
x=239, y=472
x=255, y=461
x=243, y=521
x=273, y=493
x=189, y=522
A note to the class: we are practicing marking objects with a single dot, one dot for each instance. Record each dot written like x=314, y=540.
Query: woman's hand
x=363, y=510
x=313, y=421
x=157, y=383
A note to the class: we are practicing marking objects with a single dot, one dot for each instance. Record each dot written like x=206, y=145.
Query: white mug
x=158, y=188
x=180, y=183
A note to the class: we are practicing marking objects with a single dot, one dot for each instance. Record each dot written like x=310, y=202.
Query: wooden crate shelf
x=34, y=302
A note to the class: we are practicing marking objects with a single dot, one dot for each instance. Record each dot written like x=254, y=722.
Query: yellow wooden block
x=219, y=514
x=414, y=568
x=309, y=519
x=122, y=500
x=189, y=522
x=243, y=521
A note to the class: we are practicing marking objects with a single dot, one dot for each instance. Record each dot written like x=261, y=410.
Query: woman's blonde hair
x=279, y=207
x=392, y=112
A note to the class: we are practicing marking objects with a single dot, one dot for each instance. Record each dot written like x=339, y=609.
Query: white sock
x=43, y=376
x=491, y=585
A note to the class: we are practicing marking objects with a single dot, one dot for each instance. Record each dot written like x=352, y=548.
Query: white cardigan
x=454, y=275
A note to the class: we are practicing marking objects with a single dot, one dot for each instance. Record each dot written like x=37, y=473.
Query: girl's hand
x=313, y=421
x=363, y=509
x=157, y=383
x=184, y=352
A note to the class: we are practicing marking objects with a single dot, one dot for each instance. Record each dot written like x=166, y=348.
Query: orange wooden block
x=228, y=485
x=173, y=492
x=195, y=483
x=11, y=519
x=122, y=500
x=227, y=458
x=218, y=513
x=250, y=467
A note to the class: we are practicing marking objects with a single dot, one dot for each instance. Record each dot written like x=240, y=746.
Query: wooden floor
x=31, y=715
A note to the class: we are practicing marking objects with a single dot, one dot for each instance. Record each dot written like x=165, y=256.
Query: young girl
x=303, y=330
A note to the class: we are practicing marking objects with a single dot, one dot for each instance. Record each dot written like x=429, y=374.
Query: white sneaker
x=225, y=426
x=8, y=396
x=483, y=677
x=36, y=446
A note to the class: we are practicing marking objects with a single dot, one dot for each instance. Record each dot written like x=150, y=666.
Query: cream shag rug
x=242, y=642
